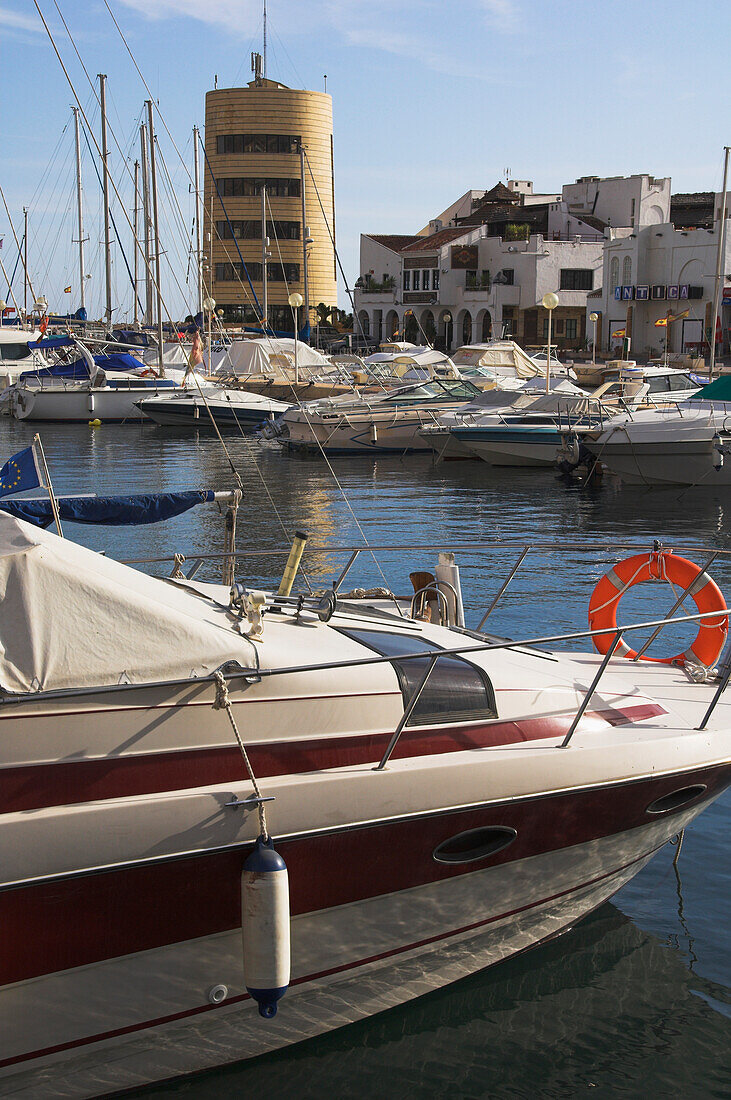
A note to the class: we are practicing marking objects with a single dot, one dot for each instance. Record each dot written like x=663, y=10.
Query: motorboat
x=373, y=423
x=198, y=406
x=511, y=394
x=688, y=443
x=503, y=357
x=532, y=432
x=100, y=387
x=442, y=800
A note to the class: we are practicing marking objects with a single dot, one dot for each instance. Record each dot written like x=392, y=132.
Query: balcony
x=371, y=286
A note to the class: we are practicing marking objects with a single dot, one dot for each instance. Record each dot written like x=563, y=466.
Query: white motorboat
x=684, y=444
x=511, y=394
x=442, y=801
x=16, y=353
x=373, y=424
x=102, y=387
x=198, y=405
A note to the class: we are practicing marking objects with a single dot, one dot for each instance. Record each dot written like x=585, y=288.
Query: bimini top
x=503, y=356
x=71, y=618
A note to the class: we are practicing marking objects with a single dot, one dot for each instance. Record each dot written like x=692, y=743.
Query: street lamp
x=295, y=300
x=447, y=318
x=593, y=317
x=549, y=301
x=209, y=304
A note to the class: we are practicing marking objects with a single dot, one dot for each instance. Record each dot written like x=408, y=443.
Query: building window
x=243, y=185
x=425, y=280
x=613, y=274
x=435, y=279
x=276, y=273
x=576, y=278
x=417, y=280
x=250, y=229
x=631, y=220
x=627, y=270
x=257, y=143
x=507, y=276
x=407, y=280
x=545, y=328
x=571, y=328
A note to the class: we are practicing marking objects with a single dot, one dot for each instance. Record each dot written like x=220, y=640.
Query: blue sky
x=430, y=99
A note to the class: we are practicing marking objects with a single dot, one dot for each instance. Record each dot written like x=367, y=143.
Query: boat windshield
x=435, y=392
x=456, y=691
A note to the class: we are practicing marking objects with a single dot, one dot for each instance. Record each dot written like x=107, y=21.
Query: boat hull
x=187, y=414
x=80, y=405
x=664, y=462
x=511, y=447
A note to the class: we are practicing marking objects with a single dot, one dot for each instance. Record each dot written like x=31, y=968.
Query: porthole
x=676, y=799
x=474, y=844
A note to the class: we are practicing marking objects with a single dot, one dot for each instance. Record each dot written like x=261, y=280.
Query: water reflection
x=606, y=1010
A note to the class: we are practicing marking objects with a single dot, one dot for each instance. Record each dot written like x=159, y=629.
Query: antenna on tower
x=265, y=39
x=256, y=67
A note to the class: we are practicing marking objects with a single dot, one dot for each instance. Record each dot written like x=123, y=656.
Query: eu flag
x=20, y=472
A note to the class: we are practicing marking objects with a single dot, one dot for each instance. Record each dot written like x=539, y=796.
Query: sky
x=430, y=99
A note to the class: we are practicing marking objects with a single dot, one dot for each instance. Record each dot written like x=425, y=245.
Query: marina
x=365, y=720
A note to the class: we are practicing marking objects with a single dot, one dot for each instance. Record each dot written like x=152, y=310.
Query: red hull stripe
x=59, y=925
x=37, y=786
x=131, y=1028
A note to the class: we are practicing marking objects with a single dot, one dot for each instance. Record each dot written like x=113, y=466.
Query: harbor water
x=634, y=1000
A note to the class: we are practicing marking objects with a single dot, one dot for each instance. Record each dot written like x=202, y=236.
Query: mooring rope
x=223, y=702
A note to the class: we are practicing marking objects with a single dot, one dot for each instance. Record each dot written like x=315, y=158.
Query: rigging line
x=147, y=89
x=146, y=267
x=332, y=241
x=114, y=224
x=228, y=220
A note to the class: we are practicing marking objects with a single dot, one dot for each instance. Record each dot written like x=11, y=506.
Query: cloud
x=14, y=20
x=503, y=15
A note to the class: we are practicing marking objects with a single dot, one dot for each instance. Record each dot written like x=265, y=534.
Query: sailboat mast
x=156, y=231
x=305, y=239
x=264, y=255
x=147, y=222
x=198, y=219
x=136, y=235
x=80, y=210
x=719, y=261
x=265, y=39
x=105, y=188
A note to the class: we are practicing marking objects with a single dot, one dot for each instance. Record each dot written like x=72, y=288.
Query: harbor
x=365, y=719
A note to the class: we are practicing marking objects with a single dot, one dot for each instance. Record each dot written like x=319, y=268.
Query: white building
x=658, y=271
x=486, y=270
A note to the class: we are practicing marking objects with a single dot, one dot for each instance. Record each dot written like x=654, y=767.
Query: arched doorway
x=464, y=327
x=364, y=323
x=411, y=328
x=428, y=326
x=486, y=327
x=392, y=324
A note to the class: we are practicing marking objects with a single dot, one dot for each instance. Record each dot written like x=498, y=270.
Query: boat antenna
x=264, y=51
x=719, y=263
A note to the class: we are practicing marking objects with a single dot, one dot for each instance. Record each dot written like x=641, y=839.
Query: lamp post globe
x=209, y=304
x=549, y=301
x=295, y=300
x=593, y=317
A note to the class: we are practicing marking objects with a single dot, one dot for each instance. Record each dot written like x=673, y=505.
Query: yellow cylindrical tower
x=253, y=138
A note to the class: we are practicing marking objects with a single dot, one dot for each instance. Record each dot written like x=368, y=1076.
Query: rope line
x=223, y=702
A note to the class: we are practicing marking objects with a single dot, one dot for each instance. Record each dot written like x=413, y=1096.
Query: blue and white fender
x=265, y=926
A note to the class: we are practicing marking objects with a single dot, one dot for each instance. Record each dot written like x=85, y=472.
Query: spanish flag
x=67, y=290
x=661, y=322
x=619, y=334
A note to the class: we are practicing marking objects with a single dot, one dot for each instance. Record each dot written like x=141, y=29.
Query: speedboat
x=511, y=394
x=373, y=424
x=99, y=387
x=439, y=799
x=684, y=444
x=230, y=408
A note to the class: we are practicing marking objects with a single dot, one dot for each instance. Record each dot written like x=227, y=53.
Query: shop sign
x=628, y=293
x=464, y=257
x=642, y=293
x=658, y=293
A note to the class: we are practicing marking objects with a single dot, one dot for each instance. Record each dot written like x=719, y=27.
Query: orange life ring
x=661, y=565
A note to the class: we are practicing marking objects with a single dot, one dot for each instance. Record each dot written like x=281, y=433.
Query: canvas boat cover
x=71, y=618
x=504, y=356
x=254, y=356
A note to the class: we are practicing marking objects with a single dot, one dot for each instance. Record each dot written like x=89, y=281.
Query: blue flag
x=20, y=472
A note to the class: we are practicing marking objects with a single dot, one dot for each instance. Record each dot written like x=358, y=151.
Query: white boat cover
x=254, y=356
x=71, y=618
x=501, y=355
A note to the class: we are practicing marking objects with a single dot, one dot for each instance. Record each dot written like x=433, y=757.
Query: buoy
x=95, y=423
x=265, y=926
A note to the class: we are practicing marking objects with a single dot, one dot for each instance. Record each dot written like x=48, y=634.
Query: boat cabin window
x=14, y=351
x=456, y=691
x=664, y=383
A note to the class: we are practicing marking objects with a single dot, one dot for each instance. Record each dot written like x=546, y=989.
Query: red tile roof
x=395, y=241
x=435, y=240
